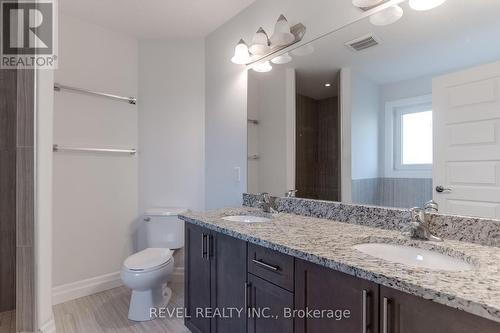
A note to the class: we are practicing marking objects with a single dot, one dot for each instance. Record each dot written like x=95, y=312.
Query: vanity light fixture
x=262, y=48
x=263, y=67
x=387, y=16
x=425, y=4
x=282, y=35
x=328, y=85
x=241, y=54
x=260, y=43
x=282, y=59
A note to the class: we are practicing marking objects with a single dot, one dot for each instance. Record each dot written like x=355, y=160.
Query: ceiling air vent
x=363, y=43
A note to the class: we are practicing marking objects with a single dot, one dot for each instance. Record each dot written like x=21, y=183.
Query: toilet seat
x=148, y=260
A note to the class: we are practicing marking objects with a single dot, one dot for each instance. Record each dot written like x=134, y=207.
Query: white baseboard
x=178, y=275
x=48, y=327
x=70, y=291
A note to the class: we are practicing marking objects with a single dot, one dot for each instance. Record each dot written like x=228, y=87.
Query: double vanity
x=294, y=273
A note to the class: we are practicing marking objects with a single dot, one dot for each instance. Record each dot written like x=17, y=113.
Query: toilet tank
x=163, y=228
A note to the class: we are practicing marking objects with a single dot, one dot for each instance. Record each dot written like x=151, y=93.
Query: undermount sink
x=246, y=219
x=413, y=256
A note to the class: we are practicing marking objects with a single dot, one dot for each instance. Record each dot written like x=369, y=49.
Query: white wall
x=226, y=99
x=171, y=123
x=365, y=111
x=43, y=224
x=95, y=195
x=269, y=99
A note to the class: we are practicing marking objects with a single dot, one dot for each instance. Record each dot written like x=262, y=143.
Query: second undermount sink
x=413, y=256
x=246, y=219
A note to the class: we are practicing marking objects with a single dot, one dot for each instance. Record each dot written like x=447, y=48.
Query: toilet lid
x=148, y=259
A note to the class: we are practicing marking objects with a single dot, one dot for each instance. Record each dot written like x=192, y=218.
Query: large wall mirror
x=391, y=115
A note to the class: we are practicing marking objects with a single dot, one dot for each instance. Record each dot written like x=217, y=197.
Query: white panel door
x=466, y=108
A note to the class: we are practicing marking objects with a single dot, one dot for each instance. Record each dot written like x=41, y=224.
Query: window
x=409, y=137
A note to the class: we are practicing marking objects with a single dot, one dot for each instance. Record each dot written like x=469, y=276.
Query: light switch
x=237, y=174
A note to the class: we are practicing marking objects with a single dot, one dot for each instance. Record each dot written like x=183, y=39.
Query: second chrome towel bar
x=59, y=87
x=57, y=148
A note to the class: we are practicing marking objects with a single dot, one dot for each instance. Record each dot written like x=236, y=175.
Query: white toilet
x=148, y=271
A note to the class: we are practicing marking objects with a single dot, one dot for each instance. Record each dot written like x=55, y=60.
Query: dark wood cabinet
x=280, y=293
x=268, y=306
x=229, y=274
x=404, y=313
x=215, y=281
x=348, y=304
x=197, y=278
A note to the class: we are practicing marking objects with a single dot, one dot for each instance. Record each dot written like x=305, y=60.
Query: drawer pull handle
x=266, y=266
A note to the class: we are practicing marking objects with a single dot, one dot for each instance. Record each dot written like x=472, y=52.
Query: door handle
x=210, y=246
x=203, y=245
x=385, y=315
x=442, y=189
x=247, y=296
x=364, y=311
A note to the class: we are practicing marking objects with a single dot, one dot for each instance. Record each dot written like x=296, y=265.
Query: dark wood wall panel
x=318, y=148
x=25, y=202
x=8, y=97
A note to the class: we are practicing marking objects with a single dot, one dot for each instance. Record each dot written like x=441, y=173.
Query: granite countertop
x=329, y=243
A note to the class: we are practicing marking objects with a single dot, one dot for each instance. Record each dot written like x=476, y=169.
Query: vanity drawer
x=271, y=265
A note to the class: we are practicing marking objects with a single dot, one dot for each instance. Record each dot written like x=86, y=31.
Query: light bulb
x=241, y=55
x=387, y=16
x=425, y=4
x=260, y=43
x=263, y=67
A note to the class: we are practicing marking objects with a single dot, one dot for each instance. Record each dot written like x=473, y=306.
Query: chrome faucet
x=267, y=203
x=420, y=222
x=291, y=193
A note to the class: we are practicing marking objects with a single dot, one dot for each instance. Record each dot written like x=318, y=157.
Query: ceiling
x=457, y=35
x=148, y=19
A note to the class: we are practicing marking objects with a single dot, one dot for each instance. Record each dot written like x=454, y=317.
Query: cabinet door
x=197, y=277
x=229, y=275
x=404, y=313
x=346, y=304
x=267, y=307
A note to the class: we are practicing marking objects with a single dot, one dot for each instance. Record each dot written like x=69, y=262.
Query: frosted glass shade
x=241, y=54
x=425, y=4
x=263, y=67
x=282, y=35
x=260, y=43
x=387, y=16
x=366, y=3
x=282, y=59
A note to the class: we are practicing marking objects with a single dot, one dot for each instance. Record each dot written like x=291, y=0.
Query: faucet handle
x=291, y=193
x=264, y=197
x=431, y=207
x=417, y=215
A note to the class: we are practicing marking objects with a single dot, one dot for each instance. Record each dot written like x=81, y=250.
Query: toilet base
x=142, y=302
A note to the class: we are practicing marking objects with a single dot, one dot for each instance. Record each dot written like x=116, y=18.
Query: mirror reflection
x=390, y=115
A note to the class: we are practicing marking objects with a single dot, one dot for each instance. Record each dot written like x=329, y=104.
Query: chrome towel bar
x=59, y=87
x=57, y=148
